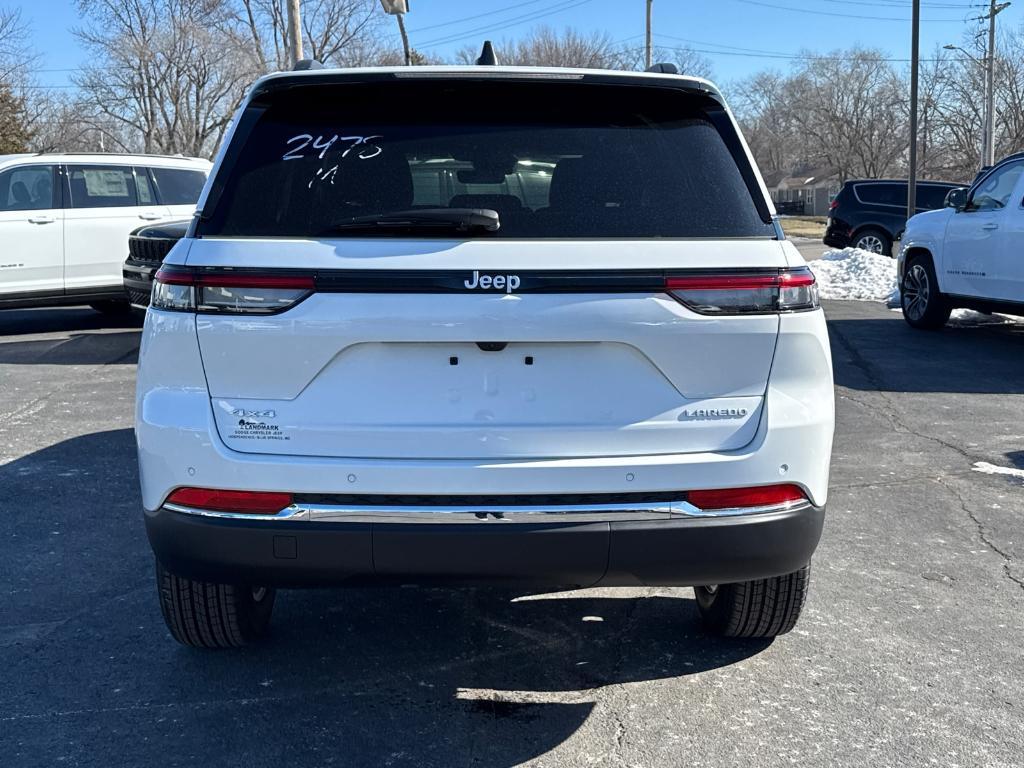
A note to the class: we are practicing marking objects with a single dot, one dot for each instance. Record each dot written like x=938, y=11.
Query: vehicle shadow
x=23, y=322
x=107, y=348
x=358, y=677
x=886, y=354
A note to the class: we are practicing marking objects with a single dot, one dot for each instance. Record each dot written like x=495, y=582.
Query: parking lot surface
x=909, y=652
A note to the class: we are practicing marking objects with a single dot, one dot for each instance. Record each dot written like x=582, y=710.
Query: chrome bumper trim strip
x=575, y=513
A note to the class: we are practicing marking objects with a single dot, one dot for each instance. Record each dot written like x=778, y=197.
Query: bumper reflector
x=252, y=502
x=730, y=498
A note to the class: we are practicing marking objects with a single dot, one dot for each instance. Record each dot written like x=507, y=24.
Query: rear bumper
x=138, y=280
x=835, y=238
x=670, y=552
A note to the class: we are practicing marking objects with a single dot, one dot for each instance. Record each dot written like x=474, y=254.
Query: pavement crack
x=983, y=534
x=891, y=483
x=891, y=407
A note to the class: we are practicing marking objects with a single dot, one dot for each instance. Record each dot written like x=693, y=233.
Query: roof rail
x=177, y=155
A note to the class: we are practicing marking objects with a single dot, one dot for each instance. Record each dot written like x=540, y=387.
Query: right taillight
x=738, y=294
x=188, y=291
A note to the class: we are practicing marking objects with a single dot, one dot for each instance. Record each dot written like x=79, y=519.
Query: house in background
x=808, y=192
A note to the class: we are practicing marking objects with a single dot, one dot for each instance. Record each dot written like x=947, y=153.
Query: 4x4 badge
x=253, y=414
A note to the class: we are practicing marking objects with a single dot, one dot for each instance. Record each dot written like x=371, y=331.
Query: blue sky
x=739, y=37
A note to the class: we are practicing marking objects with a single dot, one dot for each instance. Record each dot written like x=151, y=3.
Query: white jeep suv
x=967, y=254
x=533, y=327
x=65, y=219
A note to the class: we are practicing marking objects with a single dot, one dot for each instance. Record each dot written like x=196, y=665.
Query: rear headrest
x=20, y=193
x=381, y=183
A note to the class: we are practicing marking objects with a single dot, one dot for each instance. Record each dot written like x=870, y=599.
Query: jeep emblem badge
x=508, y=283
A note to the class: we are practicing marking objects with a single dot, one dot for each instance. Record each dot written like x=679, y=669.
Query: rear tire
x=203, y=614
x=922, y=303
x=873, y=241
x=113, y=307
x=760, y=608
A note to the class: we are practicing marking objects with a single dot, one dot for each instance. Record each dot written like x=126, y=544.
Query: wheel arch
x=916, y=252
x=881, y=229
x=872, y=225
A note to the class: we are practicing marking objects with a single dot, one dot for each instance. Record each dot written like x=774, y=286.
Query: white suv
x=967, y=254
x=577, y=352
x=65, y=219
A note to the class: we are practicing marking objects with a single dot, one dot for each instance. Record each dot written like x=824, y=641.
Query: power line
x=533, y=16
x=895, y=4
x=760, y=54
x=464, y=19
x=843, y=15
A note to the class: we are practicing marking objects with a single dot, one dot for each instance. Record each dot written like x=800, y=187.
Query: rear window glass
x=178, y=187
x=27, y=189
x=102, y=186
x=931, y=197
x=554, y=160
x=883, y=194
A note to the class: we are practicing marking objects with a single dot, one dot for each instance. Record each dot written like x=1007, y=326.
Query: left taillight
x=183, y=290
x=738, y=294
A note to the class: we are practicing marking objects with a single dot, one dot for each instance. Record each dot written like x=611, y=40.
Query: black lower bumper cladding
x=677, y=552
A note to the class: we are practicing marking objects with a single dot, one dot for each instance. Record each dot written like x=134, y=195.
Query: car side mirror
x=957, y=198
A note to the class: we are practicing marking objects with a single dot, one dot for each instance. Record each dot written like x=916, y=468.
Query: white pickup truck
x=968, y=254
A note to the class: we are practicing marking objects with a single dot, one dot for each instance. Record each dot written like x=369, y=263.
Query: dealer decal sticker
x=257, y=429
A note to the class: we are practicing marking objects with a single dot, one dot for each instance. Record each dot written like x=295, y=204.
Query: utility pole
x=647, y=49
x=405, y=39
x=294, y=31
x=915, y=55
x=399, y=8
x=989, y=141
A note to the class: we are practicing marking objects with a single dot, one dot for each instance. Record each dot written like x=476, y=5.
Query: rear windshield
x=554, y=160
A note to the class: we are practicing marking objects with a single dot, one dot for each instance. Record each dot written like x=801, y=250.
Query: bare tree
x=806, y=119
x=15, y=55
x=339, y=32
x=762, y=106
x=15, y=76
x=162, y=71
x=687, y=60
x=546, y=47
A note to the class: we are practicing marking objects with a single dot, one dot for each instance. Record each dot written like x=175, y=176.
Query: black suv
x=147, y=247
x=871, y=214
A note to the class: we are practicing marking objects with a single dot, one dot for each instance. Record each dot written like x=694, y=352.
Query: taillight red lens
x=833, y=205
x=188, y=291
x=252, y=502
x=729, y=498
x=733, y=294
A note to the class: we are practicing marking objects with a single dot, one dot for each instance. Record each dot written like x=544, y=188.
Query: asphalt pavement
x=909, y=652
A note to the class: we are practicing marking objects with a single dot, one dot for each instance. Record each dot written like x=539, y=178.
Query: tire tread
x=759, y=608
x=209, y=615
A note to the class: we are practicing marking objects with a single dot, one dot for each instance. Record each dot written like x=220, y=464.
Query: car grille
x=152, y=249
x=140, y=298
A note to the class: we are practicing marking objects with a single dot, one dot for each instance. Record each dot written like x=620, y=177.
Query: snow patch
x=992, y=469
x=855, y=275
x=969, y=316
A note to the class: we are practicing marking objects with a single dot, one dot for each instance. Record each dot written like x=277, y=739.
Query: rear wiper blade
x=457, y=219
